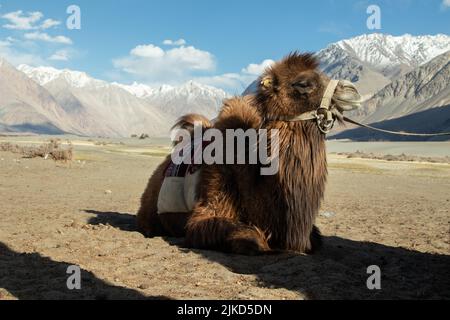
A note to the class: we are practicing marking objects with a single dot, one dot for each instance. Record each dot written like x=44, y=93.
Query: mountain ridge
x=390, y=72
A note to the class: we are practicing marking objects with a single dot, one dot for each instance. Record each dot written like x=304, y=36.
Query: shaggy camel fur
x=239, y=210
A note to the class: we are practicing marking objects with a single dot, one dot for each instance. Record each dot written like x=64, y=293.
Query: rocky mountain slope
x=422, y=89
x=192, y=97
x=27, y=106
x=113, y=109
x=397, y=76
x=374, y=60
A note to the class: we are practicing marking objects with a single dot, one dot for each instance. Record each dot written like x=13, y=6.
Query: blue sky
x=225, y=42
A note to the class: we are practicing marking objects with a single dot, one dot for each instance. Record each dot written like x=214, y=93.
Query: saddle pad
x=178, y=192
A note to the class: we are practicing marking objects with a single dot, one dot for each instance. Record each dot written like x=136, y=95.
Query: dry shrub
x=52, y=149
x=8, y=147
x=401, y=157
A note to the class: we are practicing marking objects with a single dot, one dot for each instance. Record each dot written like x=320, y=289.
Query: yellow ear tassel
x=266, y=82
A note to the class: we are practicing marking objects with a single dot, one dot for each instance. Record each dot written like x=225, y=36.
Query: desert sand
x=56, y=214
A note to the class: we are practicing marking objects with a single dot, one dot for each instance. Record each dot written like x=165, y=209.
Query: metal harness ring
x=325, y=120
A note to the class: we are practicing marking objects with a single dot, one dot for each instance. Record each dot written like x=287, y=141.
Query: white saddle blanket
x=178, y=194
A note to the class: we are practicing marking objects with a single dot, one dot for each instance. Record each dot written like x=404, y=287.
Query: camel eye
x=303, y=86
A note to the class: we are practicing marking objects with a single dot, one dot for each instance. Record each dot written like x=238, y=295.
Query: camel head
x=295, y=85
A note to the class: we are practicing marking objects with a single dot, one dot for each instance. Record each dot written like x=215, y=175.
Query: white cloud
x=5, y=43
x=50, y=23
x=147, y=51
x=23, y=48
x=235, y=83
x=179, y=42
x=154, y=65
x=18, y=20
x=446, y=3
x=257, y=69
x=18, y=57
x=41, y=36
x=60, y=55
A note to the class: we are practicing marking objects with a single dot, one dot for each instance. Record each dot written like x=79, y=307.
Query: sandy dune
x=52, y=215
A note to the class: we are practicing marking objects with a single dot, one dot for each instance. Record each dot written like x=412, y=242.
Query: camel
x=240, y=211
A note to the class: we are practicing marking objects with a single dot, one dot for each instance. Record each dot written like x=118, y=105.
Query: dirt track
x=52, y=215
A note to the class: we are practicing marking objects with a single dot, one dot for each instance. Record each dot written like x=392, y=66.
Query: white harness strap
x=328, y=95
x=323, y=115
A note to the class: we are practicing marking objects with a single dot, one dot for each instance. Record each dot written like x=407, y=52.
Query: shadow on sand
x=121, y=221
x=30, y=276
x=338, y=271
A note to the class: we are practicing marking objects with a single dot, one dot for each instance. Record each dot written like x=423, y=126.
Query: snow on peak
x=383, y=49
x=141, y=90
x=190, y=88
x=45, y=75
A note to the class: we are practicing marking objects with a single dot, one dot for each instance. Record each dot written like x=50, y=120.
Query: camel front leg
x=206, y=231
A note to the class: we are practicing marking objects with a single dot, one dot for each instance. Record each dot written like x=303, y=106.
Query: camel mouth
x=346, y=97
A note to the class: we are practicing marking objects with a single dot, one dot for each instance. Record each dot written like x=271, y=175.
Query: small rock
x=143, y=286
x=328, y=214
x=108, y=192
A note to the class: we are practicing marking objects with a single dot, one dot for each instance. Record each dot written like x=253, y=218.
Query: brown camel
x=238, y=210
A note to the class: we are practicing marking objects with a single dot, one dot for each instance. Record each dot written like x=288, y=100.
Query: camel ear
x=267, y=82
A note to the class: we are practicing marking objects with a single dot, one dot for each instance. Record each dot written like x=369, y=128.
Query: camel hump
x=239, y=113
x=188, y=122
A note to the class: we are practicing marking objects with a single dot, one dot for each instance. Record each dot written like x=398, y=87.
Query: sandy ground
x=52, y=215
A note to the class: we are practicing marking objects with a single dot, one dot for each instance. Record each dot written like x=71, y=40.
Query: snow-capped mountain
x=424, y=88
x=141, y=90
x=373, y=61
x=76, y=79
x=100, y=108
x=418, y=101
x=385, y=52
x=397, y=75
x=191, y=97
x=25, y=106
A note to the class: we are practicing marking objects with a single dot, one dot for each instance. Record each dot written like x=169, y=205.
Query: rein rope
x=400, y=133
x=325, y=117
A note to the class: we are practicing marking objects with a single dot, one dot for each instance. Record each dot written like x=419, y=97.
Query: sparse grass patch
x=52, y=149
x=402, y=157
x=354, y=166
x=155, y=154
